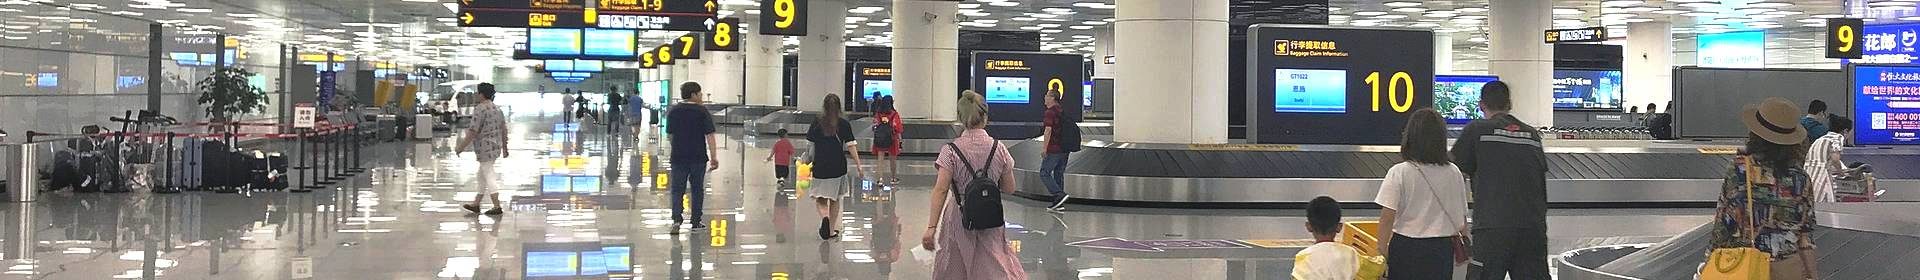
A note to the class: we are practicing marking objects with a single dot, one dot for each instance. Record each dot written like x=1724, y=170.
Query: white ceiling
x=421, y=31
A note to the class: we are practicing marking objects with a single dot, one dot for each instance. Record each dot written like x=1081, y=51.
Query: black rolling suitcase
x=225, y=170
x=268, y=172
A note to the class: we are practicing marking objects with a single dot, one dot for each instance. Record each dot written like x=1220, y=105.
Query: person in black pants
x=691, y=130
x=1509, y=190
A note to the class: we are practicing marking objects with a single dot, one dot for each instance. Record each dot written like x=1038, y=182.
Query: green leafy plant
x=226, y=94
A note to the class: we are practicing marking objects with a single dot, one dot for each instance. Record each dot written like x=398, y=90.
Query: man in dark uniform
x=1509, y=190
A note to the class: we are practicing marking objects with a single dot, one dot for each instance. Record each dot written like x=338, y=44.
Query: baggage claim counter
x=1326, y=107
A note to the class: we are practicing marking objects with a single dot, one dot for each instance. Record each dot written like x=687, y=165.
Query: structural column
x=1648, y=76
x=823, y=55
x=765, y=65
x=723, y=73
x=1521, y=58
x=926, y=54
x=1442, y=53
x=679, y=75
x=1164, y=96
x=1103, y=47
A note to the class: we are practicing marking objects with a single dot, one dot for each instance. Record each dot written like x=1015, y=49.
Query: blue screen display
x=594, y=66
x=593, y=263
x=586, y=184
x=1733, y=50
x=619, y=258
x=609, y=43
x=554, y=184
x=1889, y=44
x=874, y=89
x=1458, y=97
x=1310, y=91
x=1008, y=90
x=1086, y=94
x=553, y=41
x=47, y=80
x=1886, y=105
x=558, y=65
x=549, y=264
x=1586, y=89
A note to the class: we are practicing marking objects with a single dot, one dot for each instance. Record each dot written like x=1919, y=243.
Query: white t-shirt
x=1326, y=261
x=1419, y=215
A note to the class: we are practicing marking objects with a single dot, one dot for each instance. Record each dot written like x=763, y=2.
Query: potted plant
x=226, y=94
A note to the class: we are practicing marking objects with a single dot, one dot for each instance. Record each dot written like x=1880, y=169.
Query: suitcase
x=189, y=165
x=223, y=169
x=267, y=171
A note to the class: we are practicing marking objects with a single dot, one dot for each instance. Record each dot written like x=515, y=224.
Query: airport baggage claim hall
x=1091, y=139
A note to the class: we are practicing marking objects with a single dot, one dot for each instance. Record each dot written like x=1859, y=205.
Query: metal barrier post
x=23, y=185
x=355, y=135
x=339, y=149
x=322, y=164
x=300, y=184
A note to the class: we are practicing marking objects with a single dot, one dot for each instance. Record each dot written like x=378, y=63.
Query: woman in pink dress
x=962, y=253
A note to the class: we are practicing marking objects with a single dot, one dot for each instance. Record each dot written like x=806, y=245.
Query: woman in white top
x=1424, y=202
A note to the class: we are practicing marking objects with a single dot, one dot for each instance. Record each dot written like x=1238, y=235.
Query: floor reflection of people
x=886, y=231
x=1054, y=263
x=782, y=215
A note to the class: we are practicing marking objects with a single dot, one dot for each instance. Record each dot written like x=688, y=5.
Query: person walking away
x=1062, y=136
x=963, y=252
x=691, y=129
x=488, y=139
x=1823, y=159
x=1327, y=259
x=1816, y=120
x=886, y=135
x=782, y=158
x=636, y=113
x=1423, y=201
x=1765, y=202
x=833, y=144
x=1503, y=157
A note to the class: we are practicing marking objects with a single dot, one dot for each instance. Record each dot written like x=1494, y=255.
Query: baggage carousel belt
x=1854, y=243
x=1367, y=164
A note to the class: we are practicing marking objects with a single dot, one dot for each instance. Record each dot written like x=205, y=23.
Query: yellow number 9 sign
x=1845, y=33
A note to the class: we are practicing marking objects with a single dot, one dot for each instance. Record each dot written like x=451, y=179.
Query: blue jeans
x=686, y=177
x=1053, y=172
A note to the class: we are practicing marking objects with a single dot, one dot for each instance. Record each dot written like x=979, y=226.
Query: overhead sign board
x=679, y=15
x=783, y=17
x=1577, y=35
x=1843, y=38
x=687, y=46
x=724, y=35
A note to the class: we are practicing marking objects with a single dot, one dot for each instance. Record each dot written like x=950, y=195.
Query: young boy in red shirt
x=782, y=150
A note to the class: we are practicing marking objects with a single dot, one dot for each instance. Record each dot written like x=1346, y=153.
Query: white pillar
x=1648, y=73
x=926, y=54
x=1521, y=58
x=1442, y=53
x=1182, y=96
x=823, y=55
x=765, y=68
x=1103, y=47
x=678, y=74
x=723, y=73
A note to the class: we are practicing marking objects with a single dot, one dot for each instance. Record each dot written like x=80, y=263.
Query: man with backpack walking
x=1062, y=136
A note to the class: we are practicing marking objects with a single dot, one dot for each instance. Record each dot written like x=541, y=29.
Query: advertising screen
x=608, y=43
x=1586, y=89
x=1008, y=90
x=1086, y=94
x=1889, y=44
x=1310, y=91
x=550, y=264
x=1733, y=50
x=874, y=89
x=1458, y=97
x=1886, y=105
x=553, y=41
x=47, y=80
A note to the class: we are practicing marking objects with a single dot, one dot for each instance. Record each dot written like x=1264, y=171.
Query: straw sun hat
x=1775, y=120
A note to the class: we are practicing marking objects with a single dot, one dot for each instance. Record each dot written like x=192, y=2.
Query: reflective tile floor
x=601, y=215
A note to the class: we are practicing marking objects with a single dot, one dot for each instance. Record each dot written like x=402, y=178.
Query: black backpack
x=979, y=200
x=1067, y=131
x=883, y=135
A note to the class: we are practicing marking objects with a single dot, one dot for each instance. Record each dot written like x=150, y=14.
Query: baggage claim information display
x=1886, y=105
x=677, y=15
x=1335, y=85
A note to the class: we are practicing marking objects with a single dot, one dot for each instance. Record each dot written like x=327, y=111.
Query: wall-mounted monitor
x=1586, y=90
x=608, y=43
x=47, y=80
x=1457, y=97
x=1310, y=91
x=1009, y=90
x=874, y=89
x=1885, y=111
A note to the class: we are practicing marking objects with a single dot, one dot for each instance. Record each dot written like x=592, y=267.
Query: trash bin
x=21, y=184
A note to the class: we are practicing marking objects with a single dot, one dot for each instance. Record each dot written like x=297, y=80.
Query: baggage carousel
x=741, y=114
x=1854, y=240
x=1264, y=176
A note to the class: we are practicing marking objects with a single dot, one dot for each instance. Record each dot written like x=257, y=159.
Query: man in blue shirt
x=691, y=129
x=1816, y=120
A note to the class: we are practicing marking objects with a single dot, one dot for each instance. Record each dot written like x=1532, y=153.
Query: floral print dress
x=1782, y=210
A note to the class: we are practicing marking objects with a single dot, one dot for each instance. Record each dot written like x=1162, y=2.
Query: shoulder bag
x=1462, y=243
x=1740, y=262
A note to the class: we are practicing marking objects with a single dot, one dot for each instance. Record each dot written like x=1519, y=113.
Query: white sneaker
x=1061, y=203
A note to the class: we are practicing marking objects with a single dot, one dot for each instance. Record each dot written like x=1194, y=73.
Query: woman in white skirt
x=833, y=144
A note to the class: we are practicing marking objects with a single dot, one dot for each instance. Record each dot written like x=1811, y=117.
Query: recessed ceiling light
x=1004, y=4
x=1567, y=11
x=1670, y=12
x=1641, y=9
x=1402, y=4
x=1369, y=13
x=1440, y=15
x=1390, y=16
x=1620, y=3
x=1769, y=4
x=1699, y=4
x=1022, y=19
x=1829, y=16
x=1472, y=10
x=1410, y=9
x=195, y=10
